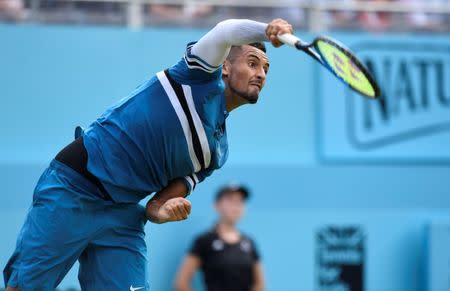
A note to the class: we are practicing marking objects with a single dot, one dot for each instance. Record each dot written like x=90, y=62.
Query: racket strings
x=347, y=67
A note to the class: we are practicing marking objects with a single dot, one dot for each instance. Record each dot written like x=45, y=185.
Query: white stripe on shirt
x=198, y=125
x=181, y=117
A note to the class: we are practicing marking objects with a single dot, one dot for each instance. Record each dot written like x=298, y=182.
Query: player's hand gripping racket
x=339, y=60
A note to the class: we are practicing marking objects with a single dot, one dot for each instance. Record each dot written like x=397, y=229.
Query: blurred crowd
x=299, y=12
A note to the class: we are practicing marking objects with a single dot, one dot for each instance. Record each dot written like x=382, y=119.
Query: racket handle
x=289, y=39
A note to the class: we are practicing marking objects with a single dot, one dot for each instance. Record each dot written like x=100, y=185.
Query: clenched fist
x=174, y=209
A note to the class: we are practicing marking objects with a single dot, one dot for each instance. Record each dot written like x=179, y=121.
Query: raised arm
x=214, y=46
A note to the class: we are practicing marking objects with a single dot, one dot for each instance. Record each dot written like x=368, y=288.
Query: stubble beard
x=251, y=99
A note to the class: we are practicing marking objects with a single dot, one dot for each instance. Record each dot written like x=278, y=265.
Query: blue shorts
x=68, y=221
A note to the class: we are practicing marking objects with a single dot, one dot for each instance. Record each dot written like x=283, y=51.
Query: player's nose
x=261, y=74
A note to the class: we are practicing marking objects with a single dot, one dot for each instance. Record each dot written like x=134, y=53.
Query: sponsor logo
x=246, y=246
x=217, y=245
x=340, y=258
x=414, y=80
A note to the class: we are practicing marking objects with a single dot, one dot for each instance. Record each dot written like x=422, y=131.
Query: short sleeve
x=198, y=247
x=255, y=253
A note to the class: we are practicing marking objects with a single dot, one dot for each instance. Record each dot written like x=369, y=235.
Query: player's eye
x=252, y=64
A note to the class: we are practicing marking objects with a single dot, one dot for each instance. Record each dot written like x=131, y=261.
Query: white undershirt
x=214, y=46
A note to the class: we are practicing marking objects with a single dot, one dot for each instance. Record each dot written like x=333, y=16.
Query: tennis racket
x=339, y=60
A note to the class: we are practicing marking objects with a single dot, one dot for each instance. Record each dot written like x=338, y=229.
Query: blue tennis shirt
x=172, y=126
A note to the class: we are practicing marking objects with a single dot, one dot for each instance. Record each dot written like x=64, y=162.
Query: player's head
x=230, y=202
x=244, y=72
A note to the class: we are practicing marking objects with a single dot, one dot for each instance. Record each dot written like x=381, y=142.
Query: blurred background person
x=227, y=258
x=427, y=21
x=340, y=19
x=12, y=10
x=294, y=13
x=375, y=21
x=181, y=14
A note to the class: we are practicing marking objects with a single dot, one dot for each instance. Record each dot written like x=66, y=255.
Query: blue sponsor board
x=438, y=256
x=411, y=120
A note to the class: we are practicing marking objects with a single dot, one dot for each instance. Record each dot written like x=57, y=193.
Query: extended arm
x=214, y=46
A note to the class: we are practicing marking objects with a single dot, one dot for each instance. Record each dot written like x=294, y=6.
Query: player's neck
x=232, y=100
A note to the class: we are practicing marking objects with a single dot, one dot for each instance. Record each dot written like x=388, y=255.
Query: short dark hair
x=235, y=48
x=259, y=45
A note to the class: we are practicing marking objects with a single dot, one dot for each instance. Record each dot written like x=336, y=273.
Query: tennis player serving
x=165, y=137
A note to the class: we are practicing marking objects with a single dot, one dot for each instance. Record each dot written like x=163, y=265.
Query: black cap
x=230, y=188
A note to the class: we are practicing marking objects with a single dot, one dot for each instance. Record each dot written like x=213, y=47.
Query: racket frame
x=299, y=44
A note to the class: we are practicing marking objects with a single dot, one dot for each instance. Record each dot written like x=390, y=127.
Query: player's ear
x=226, y=68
